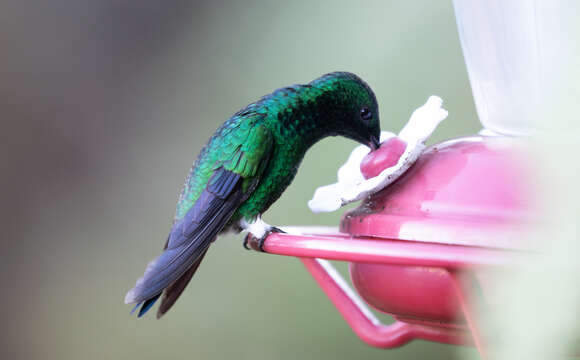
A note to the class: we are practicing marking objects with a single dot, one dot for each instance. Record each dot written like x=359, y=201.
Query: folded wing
x=232, y=182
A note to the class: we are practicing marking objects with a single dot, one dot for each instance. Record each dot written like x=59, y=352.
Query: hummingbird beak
x=374, y=143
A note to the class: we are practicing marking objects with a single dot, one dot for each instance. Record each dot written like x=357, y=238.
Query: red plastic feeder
x=417, y=248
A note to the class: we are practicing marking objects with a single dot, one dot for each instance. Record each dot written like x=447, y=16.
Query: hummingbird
x=244, y=168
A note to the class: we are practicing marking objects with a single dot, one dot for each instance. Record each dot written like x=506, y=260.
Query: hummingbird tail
x=188, y=242
x=145, y=305
x=173, y=291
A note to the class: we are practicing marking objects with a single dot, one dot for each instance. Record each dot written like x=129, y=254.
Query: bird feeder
x=417, y=248
x=421, y=247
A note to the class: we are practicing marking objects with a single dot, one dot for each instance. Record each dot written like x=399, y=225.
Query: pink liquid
x=387, y=155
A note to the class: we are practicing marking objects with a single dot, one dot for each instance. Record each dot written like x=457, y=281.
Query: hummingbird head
x=351, y=109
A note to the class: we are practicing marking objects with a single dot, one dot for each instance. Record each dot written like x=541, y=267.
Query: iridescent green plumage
x=289, y=117
x=247, y=164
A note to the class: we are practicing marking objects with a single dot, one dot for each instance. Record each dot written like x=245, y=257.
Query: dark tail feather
x=173, y=291
x=146, y=305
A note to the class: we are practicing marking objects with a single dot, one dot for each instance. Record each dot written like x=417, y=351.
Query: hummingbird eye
x=366, y=114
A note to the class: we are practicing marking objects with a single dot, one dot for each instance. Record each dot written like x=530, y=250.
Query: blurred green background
x=105, y=104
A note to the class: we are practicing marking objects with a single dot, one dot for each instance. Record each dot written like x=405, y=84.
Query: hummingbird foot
x=258, y=231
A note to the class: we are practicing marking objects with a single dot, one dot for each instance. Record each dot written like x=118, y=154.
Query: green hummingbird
x=244, y=168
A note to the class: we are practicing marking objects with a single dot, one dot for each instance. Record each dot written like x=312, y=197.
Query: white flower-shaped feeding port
x=352, y=185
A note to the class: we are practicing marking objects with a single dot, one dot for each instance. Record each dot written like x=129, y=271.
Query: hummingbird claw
x=253, y=243
x=246, y=241
x=276, y=229
x=261, y=244
x=261, y=241
x=257, y=243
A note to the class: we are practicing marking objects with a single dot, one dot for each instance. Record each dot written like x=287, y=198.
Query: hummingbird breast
x=279, y=173
x=292, y=115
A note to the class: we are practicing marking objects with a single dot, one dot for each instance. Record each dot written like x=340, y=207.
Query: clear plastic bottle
x=518, y=53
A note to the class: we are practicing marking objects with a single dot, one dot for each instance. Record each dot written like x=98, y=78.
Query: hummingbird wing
x=235, y=176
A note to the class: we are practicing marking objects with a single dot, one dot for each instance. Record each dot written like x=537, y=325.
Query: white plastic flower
x=352, y=186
